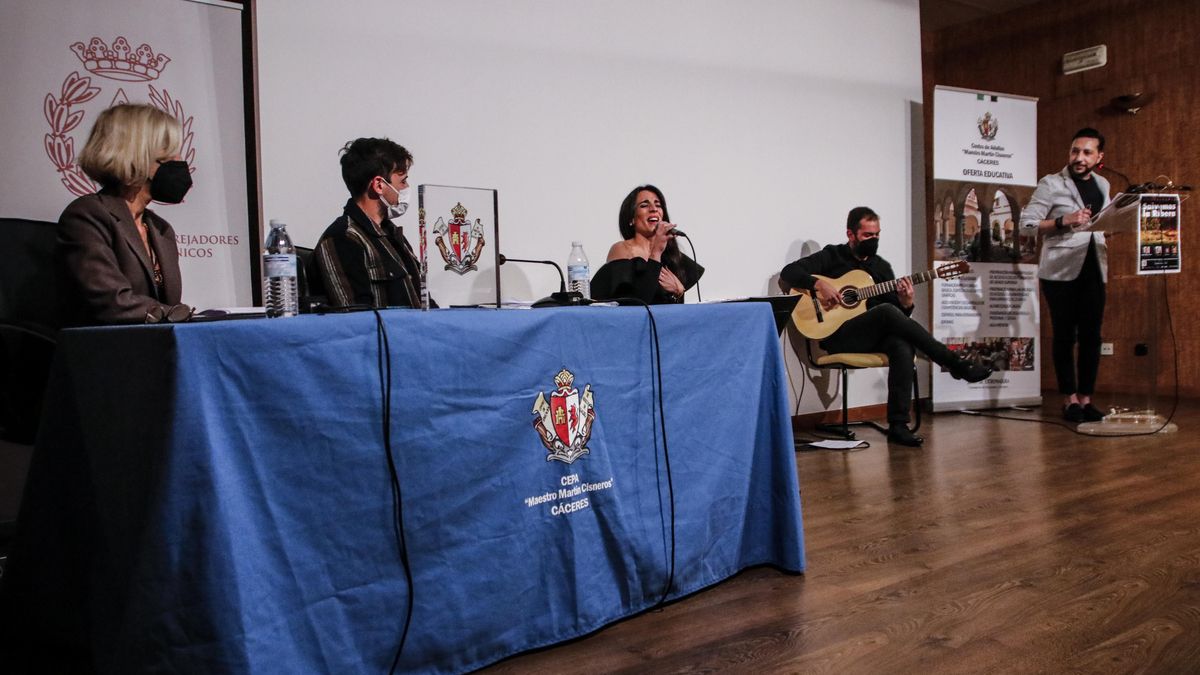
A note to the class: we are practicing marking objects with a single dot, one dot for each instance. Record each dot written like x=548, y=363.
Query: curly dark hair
x=365, y=158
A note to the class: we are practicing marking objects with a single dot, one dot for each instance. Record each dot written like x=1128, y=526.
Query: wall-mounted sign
x=1085, y=59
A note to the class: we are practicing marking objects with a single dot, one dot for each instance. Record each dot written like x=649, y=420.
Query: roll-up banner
x=984, y=171
x=68, y=60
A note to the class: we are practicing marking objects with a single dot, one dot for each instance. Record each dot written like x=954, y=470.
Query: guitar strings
x=882, y=287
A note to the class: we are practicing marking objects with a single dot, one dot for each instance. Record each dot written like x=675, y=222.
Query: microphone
x=562, y=280
x=561, y=298
x=680, y=233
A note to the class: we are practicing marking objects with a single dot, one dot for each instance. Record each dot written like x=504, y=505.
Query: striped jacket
x=362, y=263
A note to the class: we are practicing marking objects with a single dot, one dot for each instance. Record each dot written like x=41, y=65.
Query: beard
x=1081, y=170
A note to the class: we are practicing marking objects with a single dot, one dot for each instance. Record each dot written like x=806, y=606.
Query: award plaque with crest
x=459, y=237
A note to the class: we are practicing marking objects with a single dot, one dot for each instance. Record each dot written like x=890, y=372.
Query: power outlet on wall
x=1106, y=349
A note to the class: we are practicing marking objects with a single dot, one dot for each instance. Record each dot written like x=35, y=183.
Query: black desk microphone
x=562, y=298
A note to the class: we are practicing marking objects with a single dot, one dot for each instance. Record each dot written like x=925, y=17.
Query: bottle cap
x=275, y=222
x=577, y=243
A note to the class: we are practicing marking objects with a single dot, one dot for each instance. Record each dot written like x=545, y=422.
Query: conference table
x=276, y=495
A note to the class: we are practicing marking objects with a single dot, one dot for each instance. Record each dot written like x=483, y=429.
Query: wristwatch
x=1059, y=224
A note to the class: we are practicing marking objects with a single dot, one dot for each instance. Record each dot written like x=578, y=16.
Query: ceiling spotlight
x=1131, y=103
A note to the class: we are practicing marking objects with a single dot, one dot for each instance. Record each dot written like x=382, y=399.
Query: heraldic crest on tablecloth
x=564, y=422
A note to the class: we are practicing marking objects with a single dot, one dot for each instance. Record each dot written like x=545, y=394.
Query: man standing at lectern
x=886, y=326
x=1073, y=269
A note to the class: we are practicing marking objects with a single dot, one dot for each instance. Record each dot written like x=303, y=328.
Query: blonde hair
x=126, y=143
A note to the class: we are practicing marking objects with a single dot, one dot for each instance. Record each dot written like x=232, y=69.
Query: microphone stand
x=560, y=298
x=680, y=233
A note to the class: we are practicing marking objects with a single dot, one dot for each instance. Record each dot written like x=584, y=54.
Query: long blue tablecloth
x=216, y=497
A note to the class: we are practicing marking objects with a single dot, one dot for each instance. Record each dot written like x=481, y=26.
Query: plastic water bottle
x=578, y=271
x=280, y=295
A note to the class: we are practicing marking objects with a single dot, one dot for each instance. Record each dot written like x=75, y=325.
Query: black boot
x=960, y=368
x=1074, y=413
x=900, y=433
x=971, y=372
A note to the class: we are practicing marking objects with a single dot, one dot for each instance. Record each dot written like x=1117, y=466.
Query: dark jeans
x=885, y=328
x=1076, y=314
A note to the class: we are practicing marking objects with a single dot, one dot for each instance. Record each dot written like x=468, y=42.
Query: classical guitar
x=854, y=289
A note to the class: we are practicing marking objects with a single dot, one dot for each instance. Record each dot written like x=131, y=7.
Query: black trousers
x=885, y=328
x=1076, y=314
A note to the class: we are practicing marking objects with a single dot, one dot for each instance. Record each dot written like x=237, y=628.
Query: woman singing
x=647, y=264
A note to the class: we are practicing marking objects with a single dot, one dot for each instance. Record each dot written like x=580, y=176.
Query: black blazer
x=103, y=272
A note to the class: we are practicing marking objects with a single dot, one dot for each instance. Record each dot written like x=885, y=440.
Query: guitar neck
x=890, y=286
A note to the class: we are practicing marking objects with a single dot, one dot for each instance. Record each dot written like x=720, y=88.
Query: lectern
x=1144, y=246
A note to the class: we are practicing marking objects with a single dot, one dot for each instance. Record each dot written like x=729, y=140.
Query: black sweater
x=835, y=260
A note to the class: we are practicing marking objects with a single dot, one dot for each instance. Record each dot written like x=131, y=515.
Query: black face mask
x=867, y=247
x=171, y=182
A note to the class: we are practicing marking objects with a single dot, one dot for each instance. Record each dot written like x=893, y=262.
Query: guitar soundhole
x=849, y=297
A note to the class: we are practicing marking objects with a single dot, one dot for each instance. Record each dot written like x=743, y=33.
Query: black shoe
x=1092, y=414
x=971, y=372
x=1074, y=413
x=900, y=433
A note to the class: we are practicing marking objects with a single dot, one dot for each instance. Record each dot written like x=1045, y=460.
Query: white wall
x=763, y=121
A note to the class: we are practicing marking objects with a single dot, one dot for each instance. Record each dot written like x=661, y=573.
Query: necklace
x=158, y=274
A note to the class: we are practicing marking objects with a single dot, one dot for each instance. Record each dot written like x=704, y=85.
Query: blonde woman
x=116, y=260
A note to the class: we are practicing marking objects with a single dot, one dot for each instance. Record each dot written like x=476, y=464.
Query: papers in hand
x=1112, y=213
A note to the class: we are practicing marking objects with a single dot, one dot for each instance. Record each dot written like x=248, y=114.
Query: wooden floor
x=1001, y=546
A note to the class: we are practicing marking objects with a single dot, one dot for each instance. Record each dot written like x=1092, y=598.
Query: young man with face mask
x=363, y=256
x=886, y=326
x=1073, y=268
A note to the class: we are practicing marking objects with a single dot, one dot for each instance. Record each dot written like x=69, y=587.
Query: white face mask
x=400, y=207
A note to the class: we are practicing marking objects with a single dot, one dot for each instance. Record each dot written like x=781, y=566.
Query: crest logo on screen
x=459, y=241
x=64, y=110
x=988, y=125
x=564, y=419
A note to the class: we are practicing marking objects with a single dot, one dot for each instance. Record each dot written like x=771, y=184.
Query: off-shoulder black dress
x=638, y=278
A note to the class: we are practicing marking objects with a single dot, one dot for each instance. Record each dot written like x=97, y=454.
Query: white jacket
x=1063, y=252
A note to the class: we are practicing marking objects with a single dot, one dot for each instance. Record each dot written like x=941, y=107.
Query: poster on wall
x=985, y=170
x=1158, y=235
x=183, y=57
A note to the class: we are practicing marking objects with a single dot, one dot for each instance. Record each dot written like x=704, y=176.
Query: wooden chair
x=845, y=362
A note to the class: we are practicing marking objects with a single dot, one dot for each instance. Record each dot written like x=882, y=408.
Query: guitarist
x=886, y=326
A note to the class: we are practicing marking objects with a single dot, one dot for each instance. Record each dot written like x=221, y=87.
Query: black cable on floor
x=656, y=359
x=788, y=369
x=662, y=421
x=1073, y=429
x=1174, y=356
x=1039, y=420
x=384, y=363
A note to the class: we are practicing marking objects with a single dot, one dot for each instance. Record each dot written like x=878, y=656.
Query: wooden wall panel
x=1153, y=48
